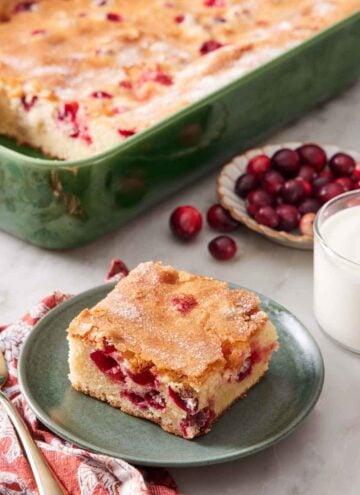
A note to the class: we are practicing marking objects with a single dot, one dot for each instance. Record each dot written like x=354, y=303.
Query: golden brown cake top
x=180, y=322
x=95, y=50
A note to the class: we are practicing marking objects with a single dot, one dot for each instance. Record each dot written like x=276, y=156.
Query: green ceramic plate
x=272, y=410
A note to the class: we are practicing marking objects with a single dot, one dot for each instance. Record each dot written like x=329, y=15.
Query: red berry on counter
x=258, y=165
x=273, y=182
x=309, y=205
x=266, y=215
x=342, y=164
x=306, y=224
x=222, y=247
x=287, y=162
x=244, y=184
x=293, y=191
x=306, y=172
x=220, y=219
x=186, y=222
x=313, y=155
x=288, y=217
x=329, y=191
x=260, y=198
x=345, y=182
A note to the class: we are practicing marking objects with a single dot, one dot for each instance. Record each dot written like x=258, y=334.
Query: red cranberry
x=307, y=173
x=154, y=399
x=287, y=162
x=293, y=191
x=102, y=360
x=214, y=3
x=313, y=155
x=356, y=172
x=342, y=164
x=319, y=182
x=185, y=401
x=179, y=18
x=220, y=219
x=222, y=247
x=329, y=191
x=28, y=102
x=244, y=184
x=326, y=173
x=101, y=94
x=309, y=205
x=266, y=215
x=23, y=7
x=260, y=198
x=117, y=267
x=306, y=224
x=288, y=217
x=345, y=182
x=307, y=186
x=251, y=208
x=114, y=17
x=356, y=184
x=273, y=182
x=144, y=377
x=126, y=132
x=258, y=165
x=184, y=303
x=209, y=46
x=186, y=222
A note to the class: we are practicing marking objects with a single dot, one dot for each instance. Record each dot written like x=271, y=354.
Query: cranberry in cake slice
x=171, y=347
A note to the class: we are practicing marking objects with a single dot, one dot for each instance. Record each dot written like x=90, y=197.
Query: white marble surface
x=323, y=456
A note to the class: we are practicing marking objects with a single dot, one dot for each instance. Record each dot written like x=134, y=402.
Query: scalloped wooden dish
x=236, y=206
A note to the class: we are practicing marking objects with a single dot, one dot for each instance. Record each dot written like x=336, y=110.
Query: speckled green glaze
x=271, y=411
x=63, y=204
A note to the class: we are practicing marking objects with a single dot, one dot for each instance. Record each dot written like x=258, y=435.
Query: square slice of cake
x=172, y=347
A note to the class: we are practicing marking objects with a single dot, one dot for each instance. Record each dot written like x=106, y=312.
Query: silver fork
x=45, y=479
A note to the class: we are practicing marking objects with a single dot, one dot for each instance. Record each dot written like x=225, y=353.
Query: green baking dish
x=62, y=204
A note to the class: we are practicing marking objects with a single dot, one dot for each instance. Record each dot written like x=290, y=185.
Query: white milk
x=337, y=278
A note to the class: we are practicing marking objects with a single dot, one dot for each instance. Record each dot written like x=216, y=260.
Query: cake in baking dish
x=79, y=76
x=171, y=347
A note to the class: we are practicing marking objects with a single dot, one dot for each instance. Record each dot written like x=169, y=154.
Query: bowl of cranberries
x=277, y=190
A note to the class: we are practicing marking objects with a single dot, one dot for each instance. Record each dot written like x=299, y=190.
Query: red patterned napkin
x=81, y=472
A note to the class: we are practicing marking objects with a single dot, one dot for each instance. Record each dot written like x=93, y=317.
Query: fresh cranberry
x=185, y=401
x=319, y=182
x=209, y=46
x=309, y=205
x=220, y=219
x=306, y=224
x=258, y=165
x=114, y=17
x=307, y=186
x=126, y=132
x=260, y=198
x=342, y=164
x=266, y=215
x=101, y=95
x=244, y=184
x=273, y=182
x=222, y=247
x=326, y=173
x=179, y=18
x=356, y=172
x=287, y=162
x=251, y=208
x=103, y=361
x=186, y=222
x=356, y=184
x=126, y=84
x=306, y=172
x=288, y=217
x=293, y=191
x=313, y=155
x=144, y=377
x=345, y=182
x=329, y=191
x=184, y=303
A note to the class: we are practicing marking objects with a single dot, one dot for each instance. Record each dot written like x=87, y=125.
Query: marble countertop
x=322, y=456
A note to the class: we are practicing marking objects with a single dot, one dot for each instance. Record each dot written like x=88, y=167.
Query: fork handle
x=46, y=480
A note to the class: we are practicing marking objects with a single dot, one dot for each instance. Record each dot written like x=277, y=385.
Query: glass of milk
x=337, y=269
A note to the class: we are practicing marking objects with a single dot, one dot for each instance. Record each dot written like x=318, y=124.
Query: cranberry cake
x=79, y=76
x=171, y=347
